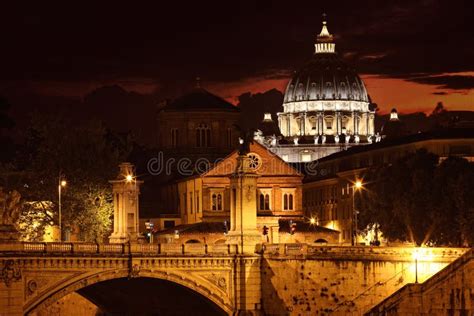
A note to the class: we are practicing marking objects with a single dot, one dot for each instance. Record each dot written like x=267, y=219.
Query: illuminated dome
x=325, y=108
x=325, y=77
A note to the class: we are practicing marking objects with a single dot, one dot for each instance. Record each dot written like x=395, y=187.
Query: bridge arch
x=58, y=292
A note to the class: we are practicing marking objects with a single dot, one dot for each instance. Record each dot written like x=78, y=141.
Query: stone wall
x=71, y=304
x=449, y=292
x=328, y=283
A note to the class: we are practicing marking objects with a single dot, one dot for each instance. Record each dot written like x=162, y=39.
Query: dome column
x=338, y=123
x=279, y=124
x=321, y=123
x=288, y=124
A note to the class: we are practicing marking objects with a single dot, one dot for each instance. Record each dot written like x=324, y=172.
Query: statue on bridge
x=10, y=208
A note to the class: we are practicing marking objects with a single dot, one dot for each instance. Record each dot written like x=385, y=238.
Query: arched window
x=312, y=91
x=203, y=136
x=214, y=202
x=343, y=91
x=300, y=92
x=288, y=202
x=329, y=90
x=219, y=202
x=267, y=202
x=264, y=202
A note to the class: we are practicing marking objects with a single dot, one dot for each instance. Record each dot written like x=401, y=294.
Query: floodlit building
x=205, y=202
x=326, y=108
x=329, y=191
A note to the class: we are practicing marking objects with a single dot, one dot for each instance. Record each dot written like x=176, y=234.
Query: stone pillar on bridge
x=126, y=189
x=243, y=207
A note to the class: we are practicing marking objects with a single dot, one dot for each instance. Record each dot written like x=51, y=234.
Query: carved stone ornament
x=31, y=286
x=10, y=272
x=134, y=271
x=218, y=280
x=250, y=190
x=10, y=207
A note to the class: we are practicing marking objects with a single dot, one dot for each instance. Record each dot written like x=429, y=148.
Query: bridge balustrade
x=365, y=252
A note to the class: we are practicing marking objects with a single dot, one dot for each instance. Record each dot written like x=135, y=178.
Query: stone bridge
x=283, y=279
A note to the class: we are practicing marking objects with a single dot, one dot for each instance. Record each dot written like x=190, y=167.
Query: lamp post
x=416, y=256
x=61, y=184
x=357, y=186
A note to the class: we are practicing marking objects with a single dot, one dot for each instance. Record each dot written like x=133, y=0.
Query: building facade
x=198, y=125
x=205, y=202
x=328, y=196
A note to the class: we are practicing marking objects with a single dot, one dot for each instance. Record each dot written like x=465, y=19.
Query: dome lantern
x=324, y=41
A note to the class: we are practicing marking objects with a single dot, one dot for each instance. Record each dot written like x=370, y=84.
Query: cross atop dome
x=324, y=41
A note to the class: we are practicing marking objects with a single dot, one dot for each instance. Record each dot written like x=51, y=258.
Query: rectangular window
x=174, y=137
x=229, y=138
x=197, y=202
x=185, y=204
x=191, y=206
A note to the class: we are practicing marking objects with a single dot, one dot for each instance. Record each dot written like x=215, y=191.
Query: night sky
x=411, y=54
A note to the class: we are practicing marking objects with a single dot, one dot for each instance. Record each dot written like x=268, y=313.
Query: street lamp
x=61, y=184
x=357, y=186
x=312, y=221
x=416, y=256
x=128, y=178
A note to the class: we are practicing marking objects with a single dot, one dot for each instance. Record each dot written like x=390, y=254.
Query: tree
x=420, y=200
x=439, y=109
x=399, y=198
x=87, y=155
x=454, y=180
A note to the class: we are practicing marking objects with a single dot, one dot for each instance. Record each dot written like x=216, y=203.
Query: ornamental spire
x=324, y=41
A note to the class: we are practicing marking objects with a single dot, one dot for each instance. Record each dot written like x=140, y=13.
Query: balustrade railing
x=366, y=252
x=118, y=249
x=270, y=250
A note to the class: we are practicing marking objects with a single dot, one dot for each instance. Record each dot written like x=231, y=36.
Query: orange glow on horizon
x=406, y=96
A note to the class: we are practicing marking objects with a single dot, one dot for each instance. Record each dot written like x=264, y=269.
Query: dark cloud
x=447, y=82
x=170, y=43
x=440, y=93
x=175, y=41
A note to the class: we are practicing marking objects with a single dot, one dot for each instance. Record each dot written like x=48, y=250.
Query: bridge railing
x=365, y=252
x=119, y=249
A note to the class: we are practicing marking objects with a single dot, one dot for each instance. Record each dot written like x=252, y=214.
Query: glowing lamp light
x=358, y=184
x=63, y=183
x=312, y=220
x=416, y=255
x=129, y=178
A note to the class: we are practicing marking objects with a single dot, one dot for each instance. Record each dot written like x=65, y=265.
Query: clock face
x=255, y=161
